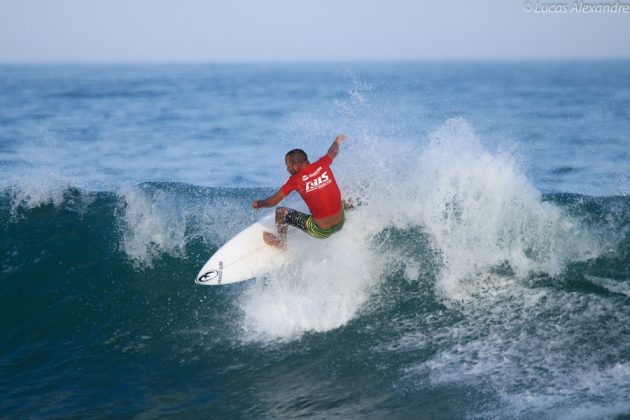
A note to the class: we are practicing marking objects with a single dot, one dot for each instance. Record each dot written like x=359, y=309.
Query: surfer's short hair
x=297, y=156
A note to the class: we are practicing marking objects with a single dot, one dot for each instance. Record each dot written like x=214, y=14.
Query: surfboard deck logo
x=211, y=275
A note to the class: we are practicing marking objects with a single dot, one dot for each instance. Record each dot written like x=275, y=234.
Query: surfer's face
x=291, y=167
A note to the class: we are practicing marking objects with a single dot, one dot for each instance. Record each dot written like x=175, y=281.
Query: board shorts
x=306, y=223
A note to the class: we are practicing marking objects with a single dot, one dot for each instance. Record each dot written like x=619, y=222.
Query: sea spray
x=162, y=219
x=35, y=190
x=149, y=226
x=477, y=210
x=322, y=287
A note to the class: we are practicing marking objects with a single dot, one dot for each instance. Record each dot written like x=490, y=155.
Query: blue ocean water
x=485, y=275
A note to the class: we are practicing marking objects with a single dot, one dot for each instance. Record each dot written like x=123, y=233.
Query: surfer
x=317, y=186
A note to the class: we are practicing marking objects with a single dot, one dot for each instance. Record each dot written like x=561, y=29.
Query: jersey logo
x=318, y=183
x=312, y=174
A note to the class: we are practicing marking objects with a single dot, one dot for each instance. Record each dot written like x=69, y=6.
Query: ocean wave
x=531, y=342
x=461, y=214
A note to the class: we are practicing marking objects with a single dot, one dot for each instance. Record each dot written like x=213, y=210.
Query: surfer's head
x=295, y=159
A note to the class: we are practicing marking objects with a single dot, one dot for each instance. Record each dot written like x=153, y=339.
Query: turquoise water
x=485, y=275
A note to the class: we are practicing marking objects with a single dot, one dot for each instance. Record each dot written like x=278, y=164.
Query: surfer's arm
x=333, y=150
x=269, y=201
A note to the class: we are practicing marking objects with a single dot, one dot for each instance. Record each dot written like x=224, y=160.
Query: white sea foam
x=479, y=211
x=28, y=193
x=322, y=287
x=42, y=177
x=539, y=350
x=150, y=225
x=154, y=221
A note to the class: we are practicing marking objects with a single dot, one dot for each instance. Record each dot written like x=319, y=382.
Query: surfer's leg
x=281, y=222
x=296, y=219
x=281, y=226
x=285, y=217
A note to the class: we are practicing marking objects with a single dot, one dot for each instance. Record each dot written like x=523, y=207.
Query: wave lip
x=482, y=212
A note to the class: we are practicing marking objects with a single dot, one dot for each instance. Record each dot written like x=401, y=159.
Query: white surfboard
x=243, y=257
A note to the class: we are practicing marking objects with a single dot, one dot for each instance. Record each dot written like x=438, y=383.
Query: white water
x=322, y=288
x=477, y=207
x=535, y=349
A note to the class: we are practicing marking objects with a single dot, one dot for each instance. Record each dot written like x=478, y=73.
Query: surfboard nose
x=208, y=277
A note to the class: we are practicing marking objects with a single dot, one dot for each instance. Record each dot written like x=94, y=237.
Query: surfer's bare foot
x=273, y=240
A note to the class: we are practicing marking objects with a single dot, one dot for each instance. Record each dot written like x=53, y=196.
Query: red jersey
x=318, y=188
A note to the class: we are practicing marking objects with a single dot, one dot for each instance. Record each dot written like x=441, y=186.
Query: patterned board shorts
x=305, y=222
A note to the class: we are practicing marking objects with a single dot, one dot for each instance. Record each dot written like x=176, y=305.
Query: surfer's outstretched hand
x=333, y=150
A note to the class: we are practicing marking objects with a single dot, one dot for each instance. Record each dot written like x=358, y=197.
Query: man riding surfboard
x=316, y=184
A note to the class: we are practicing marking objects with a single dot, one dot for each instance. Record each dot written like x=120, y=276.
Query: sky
x=60, y=31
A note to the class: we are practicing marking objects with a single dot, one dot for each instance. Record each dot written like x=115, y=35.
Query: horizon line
x=313, y=61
